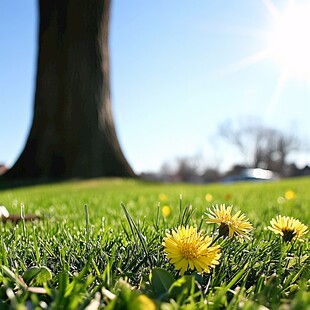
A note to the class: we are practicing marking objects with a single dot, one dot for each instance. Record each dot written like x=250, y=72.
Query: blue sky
x=178, y=69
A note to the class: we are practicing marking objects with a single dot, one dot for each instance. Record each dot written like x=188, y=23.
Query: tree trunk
x=72, y=133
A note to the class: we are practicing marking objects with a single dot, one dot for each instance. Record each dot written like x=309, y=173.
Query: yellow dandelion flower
x=163, y=197
x=165, y=211
x=230, y=225
x=209, y=197
x=188, y=249
x=288, y=227
x=289, y=195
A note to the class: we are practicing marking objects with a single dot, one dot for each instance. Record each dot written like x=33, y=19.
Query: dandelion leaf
x=161, y=280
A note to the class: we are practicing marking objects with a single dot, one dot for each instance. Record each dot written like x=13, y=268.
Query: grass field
x=98, y=244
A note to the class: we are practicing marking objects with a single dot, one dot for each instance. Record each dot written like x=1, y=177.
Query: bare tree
x=183, y=169
x=260, y=145
x=186, y=170
x=72, y=133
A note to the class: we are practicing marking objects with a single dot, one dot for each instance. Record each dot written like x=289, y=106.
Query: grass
x=99, y=245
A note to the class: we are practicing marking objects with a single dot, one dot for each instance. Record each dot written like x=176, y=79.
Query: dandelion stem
x=214, y=240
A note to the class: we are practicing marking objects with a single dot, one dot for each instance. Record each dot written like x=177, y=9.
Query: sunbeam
x=271, y=8
x=244, y=62
x=274, y=102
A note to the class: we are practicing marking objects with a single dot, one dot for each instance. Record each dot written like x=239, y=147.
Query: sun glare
x=289, y=40
x=287, y=45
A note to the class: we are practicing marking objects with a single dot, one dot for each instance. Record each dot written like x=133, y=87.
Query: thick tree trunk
x=73, y=133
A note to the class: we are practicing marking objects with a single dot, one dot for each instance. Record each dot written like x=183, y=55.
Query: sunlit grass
x=102, y=239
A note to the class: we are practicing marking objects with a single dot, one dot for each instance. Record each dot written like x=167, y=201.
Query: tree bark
x=72, y=133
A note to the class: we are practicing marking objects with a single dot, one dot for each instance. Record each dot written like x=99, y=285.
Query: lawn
x=99, y=244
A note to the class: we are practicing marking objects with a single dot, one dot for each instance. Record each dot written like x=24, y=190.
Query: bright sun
x=288, y=45
x=290, y=42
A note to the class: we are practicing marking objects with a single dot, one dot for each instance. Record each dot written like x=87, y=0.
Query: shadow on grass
x=10, y=183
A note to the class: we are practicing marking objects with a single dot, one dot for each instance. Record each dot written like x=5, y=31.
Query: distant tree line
x=259, y=146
